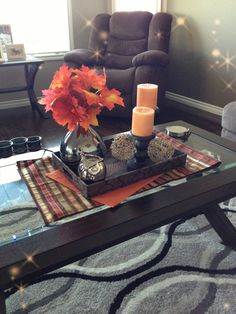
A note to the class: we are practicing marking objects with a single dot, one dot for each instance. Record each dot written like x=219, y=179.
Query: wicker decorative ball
x=122, y=147
x=160, y=149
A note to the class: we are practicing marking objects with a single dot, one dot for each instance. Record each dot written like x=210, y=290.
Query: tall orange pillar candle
x=142, y=121
x=147, y=95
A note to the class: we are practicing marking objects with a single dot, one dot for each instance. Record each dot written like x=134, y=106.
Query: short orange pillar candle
x=147, y=95
x=142, y=121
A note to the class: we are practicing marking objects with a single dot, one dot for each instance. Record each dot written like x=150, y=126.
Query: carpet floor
x=180, y=268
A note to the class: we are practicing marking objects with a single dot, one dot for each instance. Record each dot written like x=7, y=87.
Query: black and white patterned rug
x=180, y=268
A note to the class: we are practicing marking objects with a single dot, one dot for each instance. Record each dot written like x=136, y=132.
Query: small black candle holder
x=19, y=144
x=34, y=143
x=5, y=148
x=141, y=158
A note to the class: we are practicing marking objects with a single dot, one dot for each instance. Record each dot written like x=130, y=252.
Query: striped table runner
x=56, y=201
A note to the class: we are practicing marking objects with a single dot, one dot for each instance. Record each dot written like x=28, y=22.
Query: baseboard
x=193, y=103
x=11, y=104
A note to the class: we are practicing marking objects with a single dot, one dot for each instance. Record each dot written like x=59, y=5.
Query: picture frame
x=5, y=34
x=15, y=52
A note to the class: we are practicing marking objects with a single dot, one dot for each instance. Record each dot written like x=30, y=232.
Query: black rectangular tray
x=117, y=174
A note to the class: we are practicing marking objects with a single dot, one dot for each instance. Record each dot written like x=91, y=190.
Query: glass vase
x=75, y=142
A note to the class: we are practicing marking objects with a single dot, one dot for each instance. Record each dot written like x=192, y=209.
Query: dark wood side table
x=31, y=66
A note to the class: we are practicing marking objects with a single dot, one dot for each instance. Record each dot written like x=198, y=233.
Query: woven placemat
x=56, y=201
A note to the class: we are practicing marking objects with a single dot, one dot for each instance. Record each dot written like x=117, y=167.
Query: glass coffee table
x=29, y=248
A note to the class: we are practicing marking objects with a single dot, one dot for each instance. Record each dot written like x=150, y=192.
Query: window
x=152, y=6
x=41, y=25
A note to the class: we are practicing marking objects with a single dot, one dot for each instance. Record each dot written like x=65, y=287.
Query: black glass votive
x=34, y=143
x=19, y=144
x=5, y=149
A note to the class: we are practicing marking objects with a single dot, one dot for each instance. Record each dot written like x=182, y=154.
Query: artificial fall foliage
x=77, y=96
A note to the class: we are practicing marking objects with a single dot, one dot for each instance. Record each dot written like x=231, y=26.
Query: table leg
x=222, y=225
x=2, y=303
x=30, y=74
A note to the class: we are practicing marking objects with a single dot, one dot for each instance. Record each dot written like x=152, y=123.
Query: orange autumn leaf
x=50, y=96
x=48, y=99
x=61, y=77
x=76, y=96
x=68, y=112
x=92, y=118
x=93, y=112
x=63, y=114
x=91, y=98
x=94, y=80
x=110, y=98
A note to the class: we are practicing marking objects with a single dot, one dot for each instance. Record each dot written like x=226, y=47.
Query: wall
x=82, y=10
x=203, y=50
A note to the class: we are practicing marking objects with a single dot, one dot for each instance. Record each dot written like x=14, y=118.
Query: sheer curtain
x=152, y=6
x=41, y=25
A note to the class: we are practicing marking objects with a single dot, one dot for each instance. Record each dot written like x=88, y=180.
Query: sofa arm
x=80, y=57
x=151, y=57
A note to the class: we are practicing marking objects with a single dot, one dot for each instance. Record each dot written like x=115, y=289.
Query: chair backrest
x=122, y=35
x=159, y=32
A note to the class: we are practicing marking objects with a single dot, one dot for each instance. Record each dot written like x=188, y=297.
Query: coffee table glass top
x=19, y=216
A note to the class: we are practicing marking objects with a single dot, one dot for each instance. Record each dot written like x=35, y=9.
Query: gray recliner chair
x=228, y=121
x=133, y=49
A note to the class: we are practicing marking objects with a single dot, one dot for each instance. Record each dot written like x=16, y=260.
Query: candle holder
x=141, y=158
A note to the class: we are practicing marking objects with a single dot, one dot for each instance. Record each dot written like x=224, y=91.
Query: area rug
x=28, y=215
x=180, y=268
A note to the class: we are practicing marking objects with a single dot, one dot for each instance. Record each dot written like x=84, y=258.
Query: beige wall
x=193, y=71
x=83, y=10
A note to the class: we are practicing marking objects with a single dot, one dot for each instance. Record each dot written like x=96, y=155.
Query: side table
x=31, y=66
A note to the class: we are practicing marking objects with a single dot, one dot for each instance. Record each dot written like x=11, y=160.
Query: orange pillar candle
x=142, y=121
x=147, y=95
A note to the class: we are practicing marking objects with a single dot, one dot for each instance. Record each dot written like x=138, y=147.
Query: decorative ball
x=160, y=149
x=122, y=147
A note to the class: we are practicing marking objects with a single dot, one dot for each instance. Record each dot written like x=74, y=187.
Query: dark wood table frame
x=31, y=66
x=82, y=237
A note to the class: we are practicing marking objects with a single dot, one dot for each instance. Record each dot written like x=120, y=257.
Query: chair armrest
x=151, y=57
x=80, y=57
